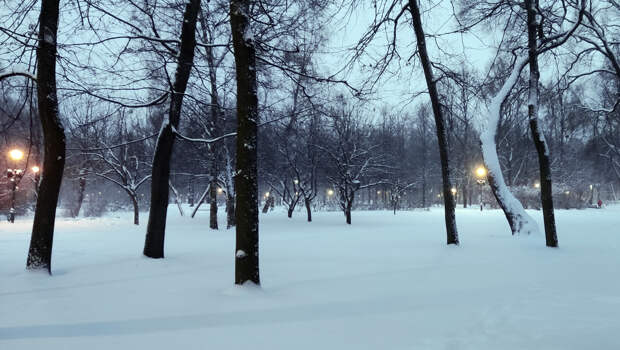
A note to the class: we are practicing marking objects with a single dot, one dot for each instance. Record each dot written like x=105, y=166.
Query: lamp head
x=16, y=154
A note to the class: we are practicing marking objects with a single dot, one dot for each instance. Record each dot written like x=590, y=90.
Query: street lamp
x=37, y=173
x=537, y=184
x=481, y=173
x=14, y=175
x=16, y=154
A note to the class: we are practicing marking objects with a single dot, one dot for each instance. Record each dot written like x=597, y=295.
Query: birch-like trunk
x=518, y=219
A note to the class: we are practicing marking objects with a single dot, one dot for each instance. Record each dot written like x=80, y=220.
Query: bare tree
x=449, y=202
x=156, y=228
x=351, y=157
x=246, y=182
x=40, y=251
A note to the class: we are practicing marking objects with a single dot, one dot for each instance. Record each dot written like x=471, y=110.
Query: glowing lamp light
x=295, y=181
x=453, y=190
x=220, y=190
x=378, y=192
x=481, y=171
x=330, y=192
x=16, y=154
x=35, y=169
x=537, y=185
x=266, y=194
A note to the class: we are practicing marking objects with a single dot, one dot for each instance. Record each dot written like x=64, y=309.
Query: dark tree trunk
x=349, y=206
x=423, y=190
x=136, y=211
x=212, y=125
x=308, y=209
x=190, y=199
x=156, y=227
x=465, y=193
x=449, y=204
x=213, y=209
x=40, y=251
x=230, y=211
x=289, y=213
x=539, y=139
x=246, y=183
x=12, y=210
x=347, y=214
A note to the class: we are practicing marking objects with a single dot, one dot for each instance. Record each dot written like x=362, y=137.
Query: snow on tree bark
x=518, y=219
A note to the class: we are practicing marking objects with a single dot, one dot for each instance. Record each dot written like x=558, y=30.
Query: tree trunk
x=12, y=209
x=40, y=251
x=290, y=211
x=518, y=219
x=212, y=125
x=230, y=211
x=347, y=214
x=349, y=206
x=136, y=211
x=201, y=200
x=449, y=204
x=156, y=227
x=246, y=182
x=266, y=206
x=537, y=134
x=213, y=209
x=465, y=192
x=177, y=199
x=80, y=199
x=308, y=209
x=190, y=199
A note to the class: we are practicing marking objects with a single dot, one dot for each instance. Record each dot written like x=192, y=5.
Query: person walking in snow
x=599, y=203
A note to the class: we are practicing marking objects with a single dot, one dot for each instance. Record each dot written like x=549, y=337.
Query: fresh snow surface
x=385, y=282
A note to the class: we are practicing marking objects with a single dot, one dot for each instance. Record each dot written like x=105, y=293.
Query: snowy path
x=386, y=282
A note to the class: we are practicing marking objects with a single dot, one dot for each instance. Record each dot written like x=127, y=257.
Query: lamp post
x=481, y=173
x=14, y=175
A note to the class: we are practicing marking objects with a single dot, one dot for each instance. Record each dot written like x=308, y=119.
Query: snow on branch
x=106, y=148
x=17, y=73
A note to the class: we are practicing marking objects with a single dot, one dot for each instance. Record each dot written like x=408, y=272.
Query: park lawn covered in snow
x=385, y=282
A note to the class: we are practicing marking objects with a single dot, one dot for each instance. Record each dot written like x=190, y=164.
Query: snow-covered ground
x=385, y=282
